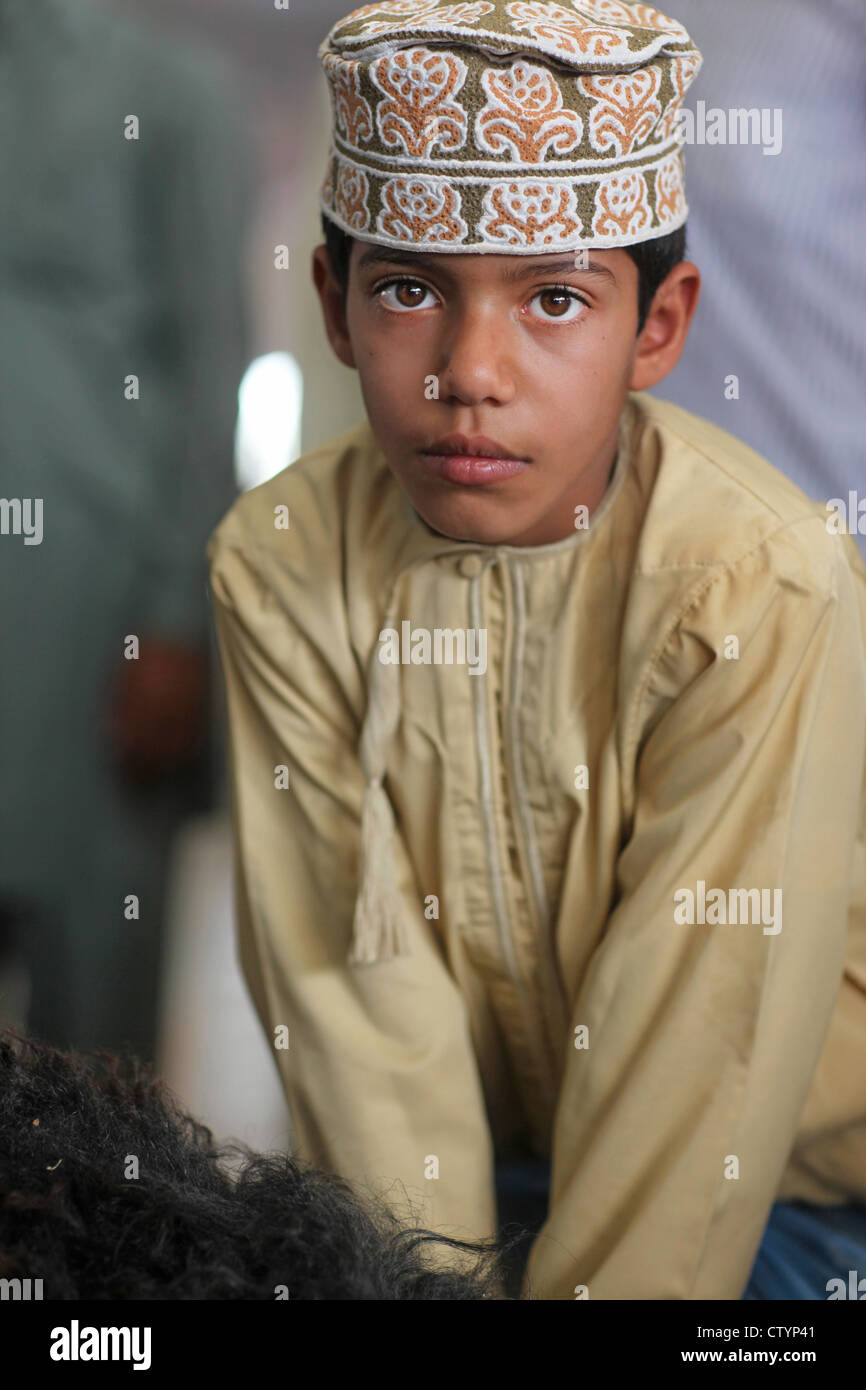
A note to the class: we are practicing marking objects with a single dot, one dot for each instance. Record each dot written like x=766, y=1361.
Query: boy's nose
x=476, y=362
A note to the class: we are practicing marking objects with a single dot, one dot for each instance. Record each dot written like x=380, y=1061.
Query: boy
x=546, y=698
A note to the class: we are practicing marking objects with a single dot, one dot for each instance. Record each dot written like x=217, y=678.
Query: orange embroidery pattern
x=427, y=14
x=530, y=214
x=326, y=189
x=564, y=31
x=621, y=205
x=524, y=114
x=350, y=199
x=625, y=111
x=607, y=11
x=456, y=16
x=394, y=9
x=683, y=71
x=649, y=18
x=418, y=114
x=421, y=209
x=552, y=122
x=670, y=198
x=352, y=112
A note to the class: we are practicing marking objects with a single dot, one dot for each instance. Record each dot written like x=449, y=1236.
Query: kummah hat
x=510, y=126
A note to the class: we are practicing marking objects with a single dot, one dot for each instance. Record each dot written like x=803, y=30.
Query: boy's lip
x=472, y=446
x=471, y=459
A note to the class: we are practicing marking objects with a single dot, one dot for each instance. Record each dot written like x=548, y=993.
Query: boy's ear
x=333, y=311
x=663, y=337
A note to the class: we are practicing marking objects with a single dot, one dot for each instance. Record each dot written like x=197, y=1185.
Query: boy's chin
x=471, y=520
x=494, y=515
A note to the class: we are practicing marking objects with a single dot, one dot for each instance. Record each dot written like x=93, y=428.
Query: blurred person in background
x=783, y=301
x=122, y=344
x=186, y=1226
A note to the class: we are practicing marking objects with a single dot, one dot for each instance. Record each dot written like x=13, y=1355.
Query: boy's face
x=494, y=384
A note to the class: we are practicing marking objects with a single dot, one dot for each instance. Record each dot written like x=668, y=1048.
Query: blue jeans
x=803, y=1246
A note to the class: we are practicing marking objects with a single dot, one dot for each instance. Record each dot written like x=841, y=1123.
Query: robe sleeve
x=676, y=1119
x=379, y=1072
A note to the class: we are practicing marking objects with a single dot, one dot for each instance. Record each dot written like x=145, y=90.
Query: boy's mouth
x=471, y=459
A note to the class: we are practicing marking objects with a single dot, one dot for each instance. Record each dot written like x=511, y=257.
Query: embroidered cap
x=510, y=126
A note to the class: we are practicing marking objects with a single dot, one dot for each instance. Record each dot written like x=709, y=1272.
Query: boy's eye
x=559, y=304
x=404, y=294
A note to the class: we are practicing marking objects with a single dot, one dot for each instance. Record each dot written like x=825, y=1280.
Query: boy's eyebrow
x=565, y=265
x=422, y=261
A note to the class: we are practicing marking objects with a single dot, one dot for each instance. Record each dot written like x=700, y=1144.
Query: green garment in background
x=117, y=257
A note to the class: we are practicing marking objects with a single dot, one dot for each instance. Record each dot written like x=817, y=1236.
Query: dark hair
x=654, y=260
x=73, y=1215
